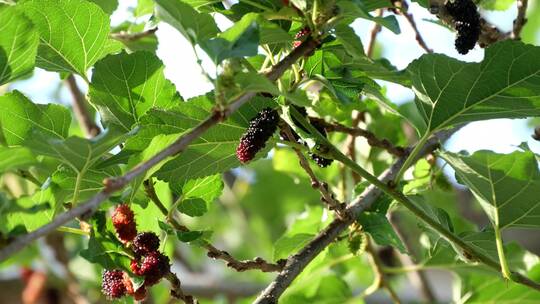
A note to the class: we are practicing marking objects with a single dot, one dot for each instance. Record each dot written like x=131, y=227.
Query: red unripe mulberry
x=112, y=284
x=123, y=220
x=260, y=129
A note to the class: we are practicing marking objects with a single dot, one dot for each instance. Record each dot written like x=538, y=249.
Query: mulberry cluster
x=148, y=262
x=260, y=129
x=467, y=23
x=123, y=220
x=153, y=267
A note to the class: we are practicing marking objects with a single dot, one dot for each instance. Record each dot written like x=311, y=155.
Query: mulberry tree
x=298, y=175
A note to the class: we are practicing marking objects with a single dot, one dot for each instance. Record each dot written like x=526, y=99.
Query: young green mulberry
x=123, y=220
x=112, y=284
x=260, y=129
x=466, y=22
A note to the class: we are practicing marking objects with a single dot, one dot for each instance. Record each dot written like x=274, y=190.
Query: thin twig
x=327, y=197
x=370, y=136
x=126, y=36
x=351, y=142
x=404, y=11
x=176, y=289
x=375, y=30
x=297, y=262
x=520, y=18
x=112, y=185
x=380, y=277
x=417, y=277
x=213, y=252
x=80, y=107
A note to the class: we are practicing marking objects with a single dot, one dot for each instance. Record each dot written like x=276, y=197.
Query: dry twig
x=80, y=107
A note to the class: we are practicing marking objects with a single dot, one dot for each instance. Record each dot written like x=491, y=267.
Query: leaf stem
x=500, y=251
x=75, y=198
x=412, y=156
x=72, y=230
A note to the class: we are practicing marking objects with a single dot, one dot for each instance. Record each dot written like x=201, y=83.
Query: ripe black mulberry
x=123, y=220
x=466, y=22
x=260, y=129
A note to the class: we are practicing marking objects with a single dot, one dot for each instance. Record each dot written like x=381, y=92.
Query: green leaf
x=193, y=207
x=381, y=231
x=189, y=236
x=73, y=33
x=90, y=183
x=506, y=84
x=195, y=26
x=207, y=188
x=213, y=152
x=351, y=10
x=108, y=6
x=287, y=245
x=479, y=287
x=125, y=86
x=30, y=212
x=144, y=7
x=496, y=5
x=506, y=185
x=78, y=153
x=18, y=44
x=350, y=41
x=104, y=248
x=16, y=158
x=240, y=40
x=19, y=118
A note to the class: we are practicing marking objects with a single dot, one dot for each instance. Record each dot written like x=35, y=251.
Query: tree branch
x=520, y=19
x=112, y=185
x=370, y=136
x=126, y=36
x=418, y=276
x=380, y=276
x=296, y=263
x=327, y=197
x=404, y=11
x=80, y=107
x=213, y=252
x=176, y=289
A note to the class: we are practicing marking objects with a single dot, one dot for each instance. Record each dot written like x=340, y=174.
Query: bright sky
x=501, y=135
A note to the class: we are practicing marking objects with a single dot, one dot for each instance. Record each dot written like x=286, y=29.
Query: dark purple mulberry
x=260, y=129
x=466, y=22
x=123, y=220
x=145, y=242
x=112, y=284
